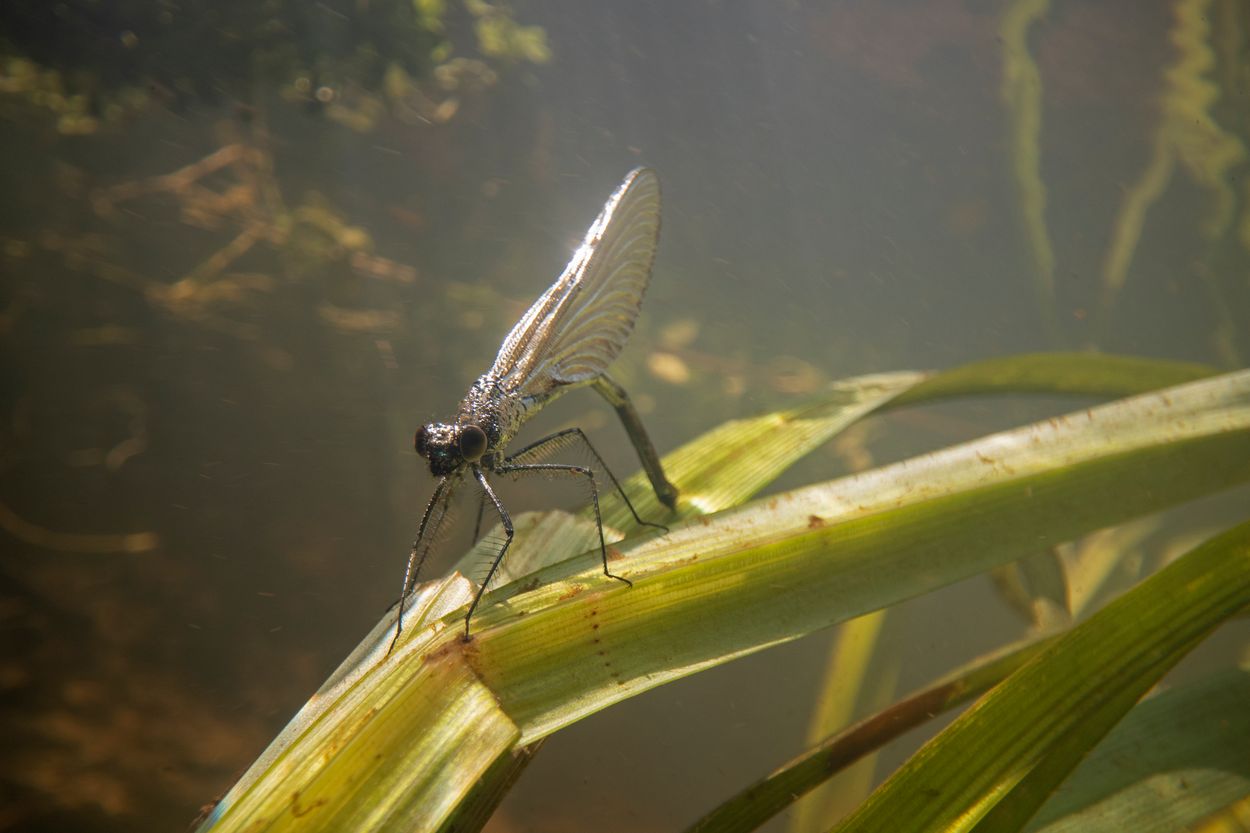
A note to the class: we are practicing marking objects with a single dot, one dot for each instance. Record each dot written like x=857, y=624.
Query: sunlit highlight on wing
x=577, y=327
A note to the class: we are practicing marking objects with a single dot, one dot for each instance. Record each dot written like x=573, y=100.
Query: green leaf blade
x=1175, y=759
x=991, y=769
x=755, y=576
x=1082, y=374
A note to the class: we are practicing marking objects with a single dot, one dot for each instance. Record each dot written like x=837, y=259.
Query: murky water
x=229, y=297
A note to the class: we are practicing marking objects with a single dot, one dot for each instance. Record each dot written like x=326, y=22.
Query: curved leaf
x=995, y=765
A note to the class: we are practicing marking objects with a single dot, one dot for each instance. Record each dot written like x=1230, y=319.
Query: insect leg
x=416, y=557
x=477, y=525
x=507, y=528
x=536, y=449
x=561, y=468
x=619, y=400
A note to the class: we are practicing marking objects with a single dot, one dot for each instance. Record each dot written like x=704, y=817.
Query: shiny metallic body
x=566, y=339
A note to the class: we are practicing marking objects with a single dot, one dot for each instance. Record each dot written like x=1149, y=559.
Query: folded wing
x=577, y=327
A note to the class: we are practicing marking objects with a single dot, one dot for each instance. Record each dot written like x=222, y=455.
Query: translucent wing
x=577, y=327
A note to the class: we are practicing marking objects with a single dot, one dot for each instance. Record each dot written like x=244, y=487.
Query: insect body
x=566, y=339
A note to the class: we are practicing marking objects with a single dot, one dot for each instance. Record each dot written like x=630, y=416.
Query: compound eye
x=421, y=442
x=472, y=443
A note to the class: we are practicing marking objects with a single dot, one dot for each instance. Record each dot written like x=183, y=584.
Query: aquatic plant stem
x=1022, y=95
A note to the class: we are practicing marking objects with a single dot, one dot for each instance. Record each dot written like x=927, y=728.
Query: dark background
x=839, y=199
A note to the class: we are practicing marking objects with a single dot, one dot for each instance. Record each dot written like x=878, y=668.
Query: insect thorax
x=486, y=407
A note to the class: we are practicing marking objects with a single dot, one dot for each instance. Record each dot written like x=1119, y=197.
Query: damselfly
x=565, y=340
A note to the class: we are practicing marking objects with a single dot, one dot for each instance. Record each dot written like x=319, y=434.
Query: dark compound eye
x=472, y=443
x=421, y=442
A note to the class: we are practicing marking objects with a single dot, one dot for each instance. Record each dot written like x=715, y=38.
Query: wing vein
x=575, y=329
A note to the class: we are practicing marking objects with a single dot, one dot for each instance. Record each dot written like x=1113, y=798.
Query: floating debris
x=668, y=368
x=679, y=334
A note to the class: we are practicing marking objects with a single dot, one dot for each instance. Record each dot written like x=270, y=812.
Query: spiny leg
x=477, y=525
x=511, y=468
x=539, y=447
x=416, y=557
x=507, y=528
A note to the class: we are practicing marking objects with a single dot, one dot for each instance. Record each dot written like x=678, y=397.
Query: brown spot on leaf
x=574, y=590
x=298, y=811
